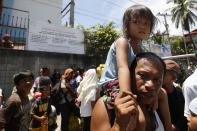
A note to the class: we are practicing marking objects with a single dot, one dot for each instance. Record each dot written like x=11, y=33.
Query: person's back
x=87, y=96
x=189, y=91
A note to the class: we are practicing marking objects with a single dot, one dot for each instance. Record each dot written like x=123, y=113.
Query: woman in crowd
x=87, y=91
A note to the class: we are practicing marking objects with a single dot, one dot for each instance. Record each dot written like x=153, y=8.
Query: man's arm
x=126, y=114
x=100, y=120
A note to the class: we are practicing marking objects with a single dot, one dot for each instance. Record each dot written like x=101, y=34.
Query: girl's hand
x=126, y=111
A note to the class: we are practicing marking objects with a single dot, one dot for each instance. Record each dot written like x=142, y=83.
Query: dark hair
x=137, y=11
x=44, y=81
x=44, y=69
x=22, y=75
x=150, y=56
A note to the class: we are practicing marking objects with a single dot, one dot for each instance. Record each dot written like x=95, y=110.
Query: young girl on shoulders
x=138, y=23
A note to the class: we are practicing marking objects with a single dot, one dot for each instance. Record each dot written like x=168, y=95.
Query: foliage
x=98, y=39
x=183, y=13
x=177, y=45
x=176, y=42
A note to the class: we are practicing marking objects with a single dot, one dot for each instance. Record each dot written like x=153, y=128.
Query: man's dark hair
x=22, y=75
x=150, y=56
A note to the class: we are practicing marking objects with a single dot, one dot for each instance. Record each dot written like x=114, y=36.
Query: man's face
x=149, y=76
x=25, y=85
x=192, y=122
x=169, y=78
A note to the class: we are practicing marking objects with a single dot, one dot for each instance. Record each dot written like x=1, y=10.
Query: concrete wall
x=13, y=61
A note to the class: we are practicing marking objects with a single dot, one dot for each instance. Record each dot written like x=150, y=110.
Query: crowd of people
x=133, y=91
x=35, y=103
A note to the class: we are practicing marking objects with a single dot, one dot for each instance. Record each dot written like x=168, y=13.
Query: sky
x=91, y=12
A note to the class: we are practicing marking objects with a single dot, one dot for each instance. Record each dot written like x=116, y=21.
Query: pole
x=165, y=22
x=184, y=41
x=71, y=10
x=180, y=56
x=72, y=4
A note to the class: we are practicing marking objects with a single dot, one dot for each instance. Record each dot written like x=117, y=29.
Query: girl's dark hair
x=137, y=11
x=44, y=81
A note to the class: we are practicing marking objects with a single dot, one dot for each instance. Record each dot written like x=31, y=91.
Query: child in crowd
x=41, y=107
x=192, y=119
x=138, y=23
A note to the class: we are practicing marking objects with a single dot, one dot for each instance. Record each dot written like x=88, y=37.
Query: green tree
x=183, y=13
x=177, y=47
x=98, y=39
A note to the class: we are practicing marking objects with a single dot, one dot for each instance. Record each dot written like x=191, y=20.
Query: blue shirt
x=110, y=71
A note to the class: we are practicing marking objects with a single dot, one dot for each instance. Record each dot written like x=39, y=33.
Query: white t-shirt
x=189, y=91
x=86, y=110
x=79, y=79
x=160, y=124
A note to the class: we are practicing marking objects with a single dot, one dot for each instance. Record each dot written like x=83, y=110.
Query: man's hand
x=126, y=111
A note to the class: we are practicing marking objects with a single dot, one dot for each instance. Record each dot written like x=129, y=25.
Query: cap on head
x=22, y=75
x=193, y=106
x=172, y=66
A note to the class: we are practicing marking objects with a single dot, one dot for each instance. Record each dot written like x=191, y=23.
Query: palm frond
x=182, y=12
